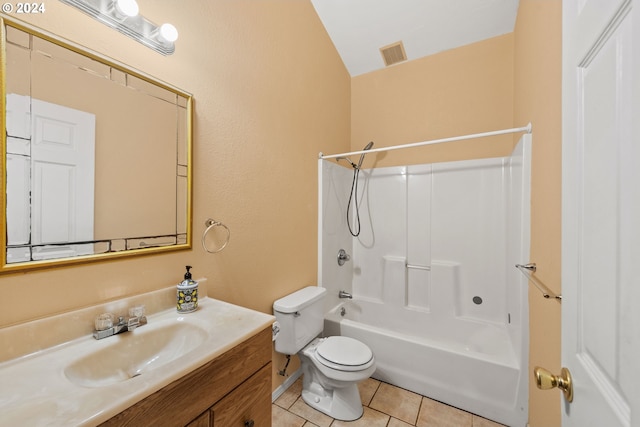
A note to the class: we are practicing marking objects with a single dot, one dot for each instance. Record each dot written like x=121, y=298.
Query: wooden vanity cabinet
x=232, y=390
x=248, y=405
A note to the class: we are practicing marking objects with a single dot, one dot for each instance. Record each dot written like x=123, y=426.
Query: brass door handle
x=545, y=380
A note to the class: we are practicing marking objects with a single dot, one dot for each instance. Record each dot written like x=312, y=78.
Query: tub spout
x=343, y=294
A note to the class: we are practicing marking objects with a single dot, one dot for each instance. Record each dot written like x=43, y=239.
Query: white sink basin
x=133, y=353
x=84, y=382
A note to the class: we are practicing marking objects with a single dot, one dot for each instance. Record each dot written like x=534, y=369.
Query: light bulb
x=168, y=33
x=127, y=7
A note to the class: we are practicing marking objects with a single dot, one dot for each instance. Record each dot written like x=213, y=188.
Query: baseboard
x=285, y=385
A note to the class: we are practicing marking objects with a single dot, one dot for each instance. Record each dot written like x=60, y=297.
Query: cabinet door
x=249, y=405
x=204, y=420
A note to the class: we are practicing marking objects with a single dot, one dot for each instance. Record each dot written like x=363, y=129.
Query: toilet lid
x=344, y=351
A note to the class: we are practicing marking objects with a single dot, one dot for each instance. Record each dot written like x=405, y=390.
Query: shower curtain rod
x=526, y=129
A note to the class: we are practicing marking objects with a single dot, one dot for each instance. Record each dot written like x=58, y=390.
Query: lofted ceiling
x=359, y=28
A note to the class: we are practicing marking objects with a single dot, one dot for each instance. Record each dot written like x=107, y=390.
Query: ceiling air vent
x=393, y=53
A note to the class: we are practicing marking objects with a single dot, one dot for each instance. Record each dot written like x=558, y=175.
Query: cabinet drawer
x=248, y=405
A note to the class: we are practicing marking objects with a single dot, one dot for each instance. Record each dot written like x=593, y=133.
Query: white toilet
x=331, y=367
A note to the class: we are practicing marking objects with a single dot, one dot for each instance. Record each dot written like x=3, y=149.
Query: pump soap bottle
x=187, y=293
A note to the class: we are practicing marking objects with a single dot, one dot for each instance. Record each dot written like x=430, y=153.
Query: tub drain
x=477, y=300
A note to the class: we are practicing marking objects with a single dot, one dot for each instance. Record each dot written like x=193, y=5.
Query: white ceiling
x=359, y=28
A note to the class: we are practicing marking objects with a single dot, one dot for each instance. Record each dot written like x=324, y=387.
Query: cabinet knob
x=248, y=423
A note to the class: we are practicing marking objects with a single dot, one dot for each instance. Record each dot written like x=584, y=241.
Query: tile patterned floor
x=384, y=406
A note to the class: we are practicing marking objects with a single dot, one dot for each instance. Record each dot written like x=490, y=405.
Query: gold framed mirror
x=96, y=156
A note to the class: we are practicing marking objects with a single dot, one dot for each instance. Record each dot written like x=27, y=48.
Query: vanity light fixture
x=167, y=33
x=123, y=16
x=126, y=8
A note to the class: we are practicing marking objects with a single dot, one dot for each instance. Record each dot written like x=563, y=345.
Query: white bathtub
x=468, y=364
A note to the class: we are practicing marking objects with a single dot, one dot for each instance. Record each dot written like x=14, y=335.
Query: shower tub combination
x=436, y=294
x=466, y=364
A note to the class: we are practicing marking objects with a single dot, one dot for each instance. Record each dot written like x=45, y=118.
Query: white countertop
x=34, y=390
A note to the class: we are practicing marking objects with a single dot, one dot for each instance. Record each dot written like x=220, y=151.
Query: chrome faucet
x=343, y=294
x=104, y=326
x=343, y=257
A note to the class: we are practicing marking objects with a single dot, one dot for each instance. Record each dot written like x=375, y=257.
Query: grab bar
x=528, y=270
x=419, y=267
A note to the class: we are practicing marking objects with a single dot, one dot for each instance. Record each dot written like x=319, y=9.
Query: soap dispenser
x=187, y=293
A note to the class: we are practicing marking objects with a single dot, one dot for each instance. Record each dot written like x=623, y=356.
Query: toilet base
x=341, y=403
x=330, y=391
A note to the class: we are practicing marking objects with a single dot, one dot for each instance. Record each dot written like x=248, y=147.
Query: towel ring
x=210, y=223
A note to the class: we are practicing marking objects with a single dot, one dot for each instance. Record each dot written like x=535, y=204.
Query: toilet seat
x=344, y=354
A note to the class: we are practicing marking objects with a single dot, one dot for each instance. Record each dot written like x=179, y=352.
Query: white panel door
x=601, y=211
x=62, y=171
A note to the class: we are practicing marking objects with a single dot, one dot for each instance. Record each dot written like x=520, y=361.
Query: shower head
x=346, y=159
x=366, y=147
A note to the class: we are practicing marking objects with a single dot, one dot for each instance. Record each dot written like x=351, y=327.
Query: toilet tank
x=301, y=318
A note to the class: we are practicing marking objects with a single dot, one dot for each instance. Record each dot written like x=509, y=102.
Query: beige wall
x=538, y=50
x=270, y=93
x=456, y=92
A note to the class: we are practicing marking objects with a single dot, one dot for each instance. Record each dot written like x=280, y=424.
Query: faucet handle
x=137, y=311
x=103, y=321
x=136, y=317
x=343, y=257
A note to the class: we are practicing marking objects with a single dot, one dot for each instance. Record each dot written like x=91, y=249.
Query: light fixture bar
x=137, y=27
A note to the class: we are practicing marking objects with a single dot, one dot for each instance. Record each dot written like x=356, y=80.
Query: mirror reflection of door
x=50, y=180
